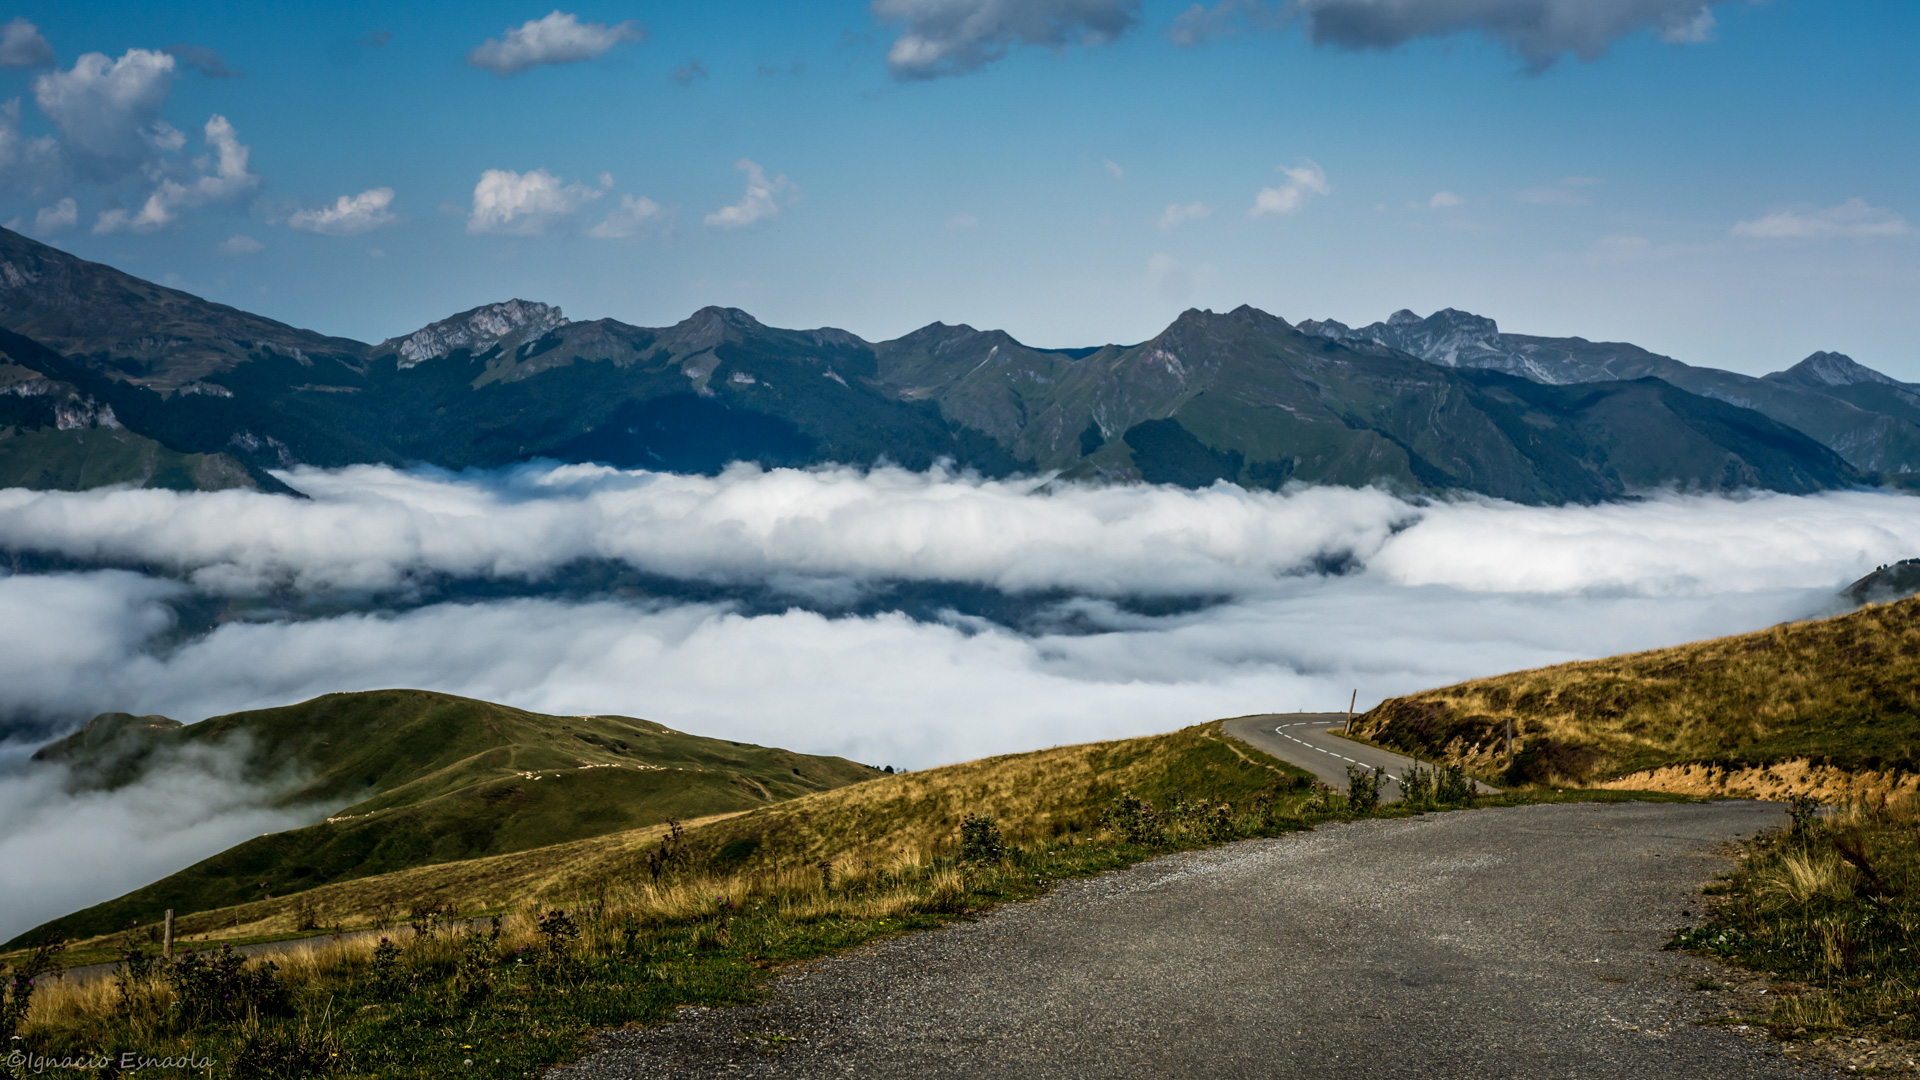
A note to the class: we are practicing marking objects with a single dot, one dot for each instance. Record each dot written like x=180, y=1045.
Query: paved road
x=1302, y=739
x=1519, y=942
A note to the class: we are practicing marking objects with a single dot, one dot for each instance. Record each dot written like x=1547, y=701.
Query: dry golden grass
x=884, y=833
x=1811, y=706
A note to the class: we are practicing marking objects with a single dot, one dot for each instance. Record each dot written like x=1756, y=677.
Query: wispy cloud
x=350, y=215
x=954, y=37
x=1302, y=182
x=559, y=38
x=763, y=199
x=1853, y=220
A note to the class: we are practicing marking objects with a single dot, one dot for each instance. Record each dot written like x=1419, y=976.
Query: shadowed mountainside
x=1240, y=396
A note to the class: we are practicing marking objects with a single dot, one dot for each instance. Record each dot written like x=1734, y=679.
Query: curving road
x=1303, y=739
x=1516, y=943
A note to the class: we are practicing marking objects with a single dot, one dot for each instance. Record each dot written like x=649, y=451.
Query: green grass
x=408, y=779
x=1839, y=694
x=735, y=898
x=47, y=458
x=1840, y=936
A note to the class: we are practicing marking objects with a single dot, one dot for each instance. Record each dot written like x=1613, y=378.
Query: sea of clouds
x=765, y=612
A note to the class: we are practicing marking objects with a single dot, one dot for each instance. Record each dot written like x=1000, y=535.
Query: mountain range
x=106, y=378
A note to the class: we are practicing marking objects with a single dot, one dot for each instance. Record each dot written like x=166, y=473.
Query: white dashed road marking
x=1282, y=732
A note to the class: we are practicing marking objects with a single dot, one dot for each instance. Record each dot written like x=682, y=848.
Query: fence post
x=166, y=938
x=1350, y=703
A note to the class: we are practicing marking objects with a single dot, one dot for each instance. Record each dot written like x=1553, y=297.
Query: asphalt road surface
x=1302, y=739
x=1517, y=942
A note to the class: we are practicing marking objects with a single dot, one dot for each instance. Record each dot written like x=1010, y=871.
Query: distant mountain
x=408, y=778
x=1444, y=403
x=1868, y=418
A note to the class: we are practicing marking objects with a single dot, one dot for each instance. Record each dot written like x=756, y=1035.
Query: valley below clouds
x=910, y=619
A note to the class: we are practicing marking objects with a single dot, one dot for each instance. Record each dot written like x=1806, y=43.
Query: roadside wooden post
x=166, y=937
x=1350, y=703
x=1509, y=737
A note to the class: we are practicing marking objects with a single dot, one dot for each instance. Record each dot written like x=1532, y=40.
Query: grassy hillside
x=1816, y=705
x=592, y=938
x=1042, y=797
x=407, y=778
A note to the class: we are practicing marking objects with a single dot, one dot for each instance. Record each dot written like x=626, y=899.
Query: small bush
x=16, y=994
x=980, y=840
x=1136, y=819
x=220, y=987
x=1802, y=810
x=1363, y=788
x=1453, y=787
x=1417, y=786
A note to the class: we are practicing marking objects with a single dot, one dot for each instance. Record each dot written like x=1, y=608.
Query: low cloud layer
x=1145, y=608
x=65, y=850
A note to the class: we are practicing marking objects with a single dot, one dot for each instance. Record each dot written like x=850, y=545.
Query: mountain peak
x=475, y=329
x=1403, y=317
x=1825, y=369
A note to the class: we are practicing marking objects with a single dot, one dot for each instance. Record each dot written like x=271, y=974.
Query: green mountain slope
x=1863, y=416
x=415, y=778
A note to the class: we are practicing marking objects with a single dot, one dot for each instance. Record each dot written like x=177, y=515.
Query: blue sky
x=1737, y=189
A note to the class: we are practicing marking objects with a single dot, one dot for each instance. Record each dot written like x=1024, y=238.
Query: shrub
x=1802, y=809
x=220, y=987
x=1363, y=788
x=980, y=840
x=16, y=994
x=1136, y=819
x=1453, y=787
x=1417, y=786
x=384, y=972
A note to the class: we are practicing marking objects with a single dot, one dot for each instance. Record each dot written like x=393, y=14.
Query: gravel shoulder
x=1511, y=942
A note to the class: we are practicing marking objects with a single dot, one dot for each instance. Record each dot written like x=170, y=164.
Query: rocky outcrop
x=508, y=325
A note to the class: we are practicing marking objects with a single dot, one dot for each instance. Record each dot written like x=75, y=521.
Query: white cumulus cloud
x=559, y=38
x=525, y=204
x=953, y=37
x=349, y=215
x=763, y=198
x=1302, y=182
x=58, y=217
x=222, y=176
x=1853, y=219
x=108, y=111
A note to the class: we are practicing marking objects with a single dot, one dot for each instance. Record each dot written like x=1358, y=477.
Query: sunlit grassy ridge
x=623, y=928
x=1802, y=706
x=415, y=778
x=912, y=817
